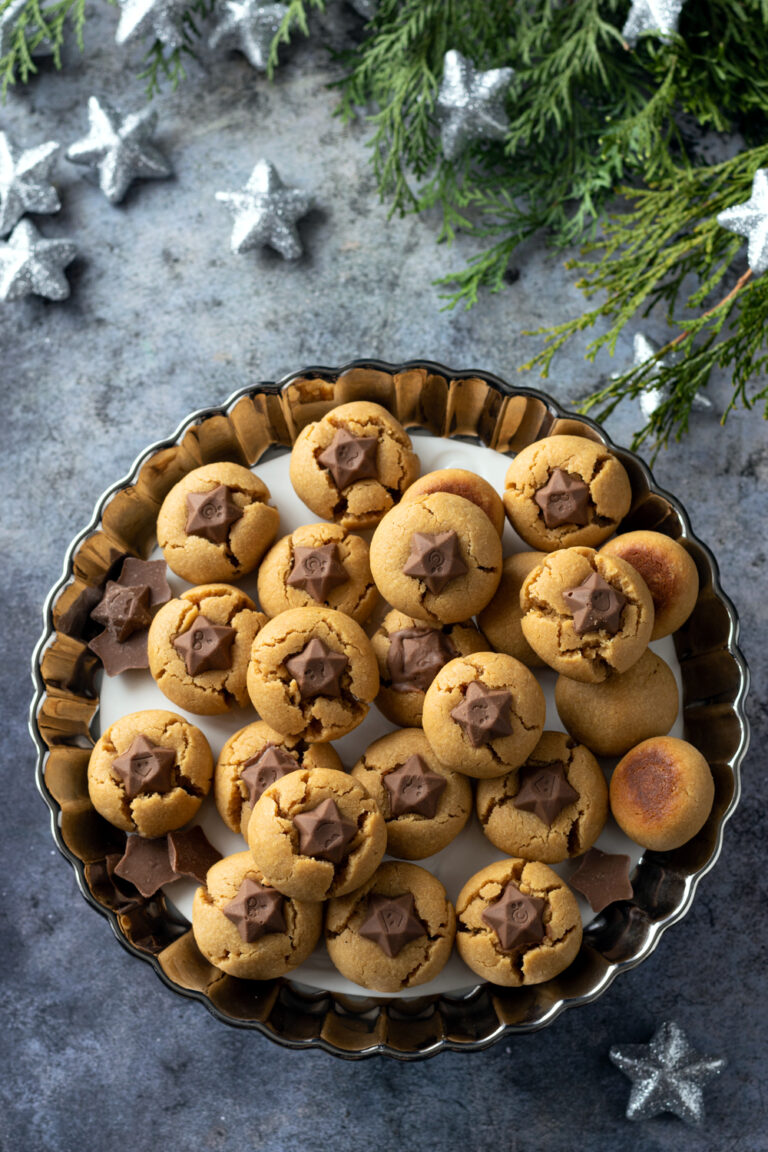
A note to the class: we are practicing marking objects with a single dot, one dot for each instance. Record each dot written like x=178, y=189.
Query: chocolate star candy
x=149, y=572
x=123, y=643
x=324, y=833
x=205, y=646
x=145, y=767
x=191, y=853
x=391, y=922
x=564, y=499
x=350, y=458
x=544, y=790
x=415, y=657
x=413, y=787
x=596, y=605
x=272, y=763
x=516, y=919
x=123, y=609
x=316, y=670
x=484, y=713
x=117, y=656
x=603, y=877
x=145, y=864
x=435, y=558
x=317, y=570
x=210, y=514
x=256, y=911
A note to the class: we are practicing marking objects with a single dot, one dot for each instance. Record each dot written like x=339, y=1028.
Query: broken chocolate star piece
x=118, y=657
x=317, y=570
x=206, y=646
x=564, y=499
x=544, y=790
x=415, y=657
x=145, y=864
x=484, y=713
x=391, y=922
x=191, y=853
x=603, y=877
x=149, y=572
x=413, y=787
x=324, y=833
x=316, y=670
x=516, y=919
x=435, y=558
x=123, y=609
x=210, y=514
x=256, y=911
x=258, y=772
x=350, y=458
x=596, y=605
x=144, y=767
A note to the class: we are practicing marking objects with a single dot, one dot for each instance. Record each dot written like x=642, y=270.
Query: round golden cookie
x=288, y=934
x=275, y=841
x=548, y=620
x=562, y=815
x=531, y=962
x=204, y=618
x=667, y=569
x=277, y=694
x=425, y=804
x=410, y=653
x=501, y=620
x=165, y=797
x=355, y=925
x=246, y=537
x=359, y=503
x=610, y=718
x=585, y=463
x=484, y=714
x=461, y=483
x=235, y=795
x=661, y=793
x=464, y=541
x=294, y=574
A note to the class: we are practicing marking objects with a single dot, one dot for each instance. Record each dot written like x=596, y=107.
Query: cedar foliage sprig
x=26, y=26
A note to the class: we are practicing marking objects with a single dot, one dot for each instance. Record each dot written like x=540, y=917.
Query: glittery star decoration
x=391, y=922
x=144, y=767
x=317, y=570
x=210, y=514
x=25, y=184
x=316, y=670
x=654, y=395
x=651, y=18
x=161, y=20
x=596, y=605
x=250, y=26
x=123, y=609
x=470, y=104
x=435, y=558
x=750, y=219
x=258, y=772
x=415, y=657
x=206, y=647
x=256, y=911
x=516, y=918
x=8, y=19
x=349, y=458
x=266, y=211
x=324, y=832
x=544, y=790
x=564, y=499
x=119, y=148
x=414, y=787
x=667, y=1075
x=603, y=877
x=483, y=713
x=31, y=265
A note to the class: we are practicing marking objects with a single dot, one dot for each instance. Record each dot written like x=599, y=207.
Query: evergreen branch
x=163, y=63
x=33, y=23
x=296, y=17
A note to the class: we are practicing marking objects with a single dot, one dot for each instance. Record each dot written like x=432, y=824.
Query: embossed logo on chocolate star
x=564, y=499
x=483, y=713
x=350, y=458
x=324, y=832
x=435, y=558
x=206, y=646
x=415, y=657
x=391, y=922
x=603, y=877
x=256, y=911
x=272, y=763
x=414, y=787
x=210, y=514
x=316, y=670
x=317, y=570
x=123, y=609
x=544, y=790
x=144, y=767
x=596, y=605
x=516, y=919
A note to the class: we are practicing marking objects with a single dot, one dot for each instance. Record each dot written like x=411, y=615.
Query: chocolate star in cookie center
x=316, y=670
x=516, y=919
x=484, y=713
x=350, y=458
x=271, y=764
x=391, y=922
x=595, y=605
x=435, y=558
x=210, y=514
x=413, y=787
x=256, y=911
x=324, y=833
x=206, y=646
x=123, y=609
x=415, y=657
x=564, y=499
x=544, y=790
x=317, y=570
x=144, y=767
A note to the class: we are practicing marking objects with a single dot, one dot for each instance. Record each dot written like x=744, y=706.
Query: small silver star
x=25, y=181
x=266, y=211
x=250, y=26
x=470, y=104
x=651, y=18
x=653, y=395
x=667, y=1075
x=161, y=20
x=750, y=219
x=120, y=148
x=31, y=265
x=365, y=8
x=8, y=19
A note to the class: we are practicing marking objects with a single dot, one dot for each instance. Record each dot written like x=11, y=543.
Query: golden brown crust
x=661, y=793
x=461, y=483
x=501, y=620
x=668, y=571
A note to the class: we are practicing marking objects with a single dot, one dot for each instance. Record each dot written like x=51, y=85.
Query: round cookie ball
x=501, y=620
x=353, y=484
x=312, y=674
x=163, y=772
x=246, y=928
x=461, y=483
x=318, y=564
x=254, y=758
x=667, y=569
x=536, y=914
x=199, y=646
x=484, y=714
x=346, y=827
x=222, y=537
x=610, y=718
x=424, y=803
x=661, y=793
x=566, y=490
x=394, y=932
x=410, y=653
x=553, y=807
x=437, y=558
x=585, y=614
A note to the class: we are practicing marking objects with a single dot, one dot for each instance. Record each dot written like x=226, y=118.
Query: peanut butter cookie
x=661, y=793
x=501, y=620
x=667, y=569
x=461, y=483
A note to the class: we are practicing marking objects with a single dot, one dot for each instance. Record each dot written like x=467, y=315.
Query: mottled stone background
x=164, y=319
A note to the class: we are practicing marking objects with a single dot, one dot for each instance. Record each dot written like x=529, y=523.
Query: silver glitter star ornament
x=470, y=104
x=250, y=26
x=161, y=20
x=365, y=8
x=653, y=396
x=266, y=211
x=119, y=148
x=651, y=18
x=751, y=220
x=25, y=181
x=31, y=265
x=667, y=1075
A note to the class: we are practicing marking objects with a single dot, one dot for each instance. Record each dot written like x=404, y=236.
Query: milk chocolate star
x=516, y=919
x=210, y=514
x=324, y=833
x=317, y=570
x=414, y=787
x=603, y=877
x=144, y=767
x=145, y=864
x=483, y=713
x=564, y=499
x=544, y=790
x=205, y=646
x=272, y=763
x=123, y=610
x=596, y=605
x=256, y=911
x=435, y=558
x=350, y=458
x=415, y=657
x=391, y=922
x=316, y=670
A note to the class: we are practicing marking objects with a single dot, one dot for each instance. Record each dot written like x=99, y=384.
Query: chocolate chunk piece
x=145, y=864
x=272, y=763
x=317, y=570
x=191, y=853
x=206, y=646
x=256, y=911
x=324, y=832
x=350, y=458
x=118, y=657
x=596, y=605
x=516, y=919
x=391, y=922
x=145, y=767
x=435, y=558
x=149, y=572
x=123, y=609
x=484, y=713
x=415, y=657
x=74, y=620
x=603, y=877
x=316, y=670
x=414, y=787
x=126, y=608
x=544, y=790
x=564, y=499
x=210, y=514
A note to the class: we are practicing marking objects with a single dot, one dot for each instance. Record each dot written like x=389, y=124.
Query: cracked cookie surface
x=667, y=569
x=460, y=482
x=501, y=620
